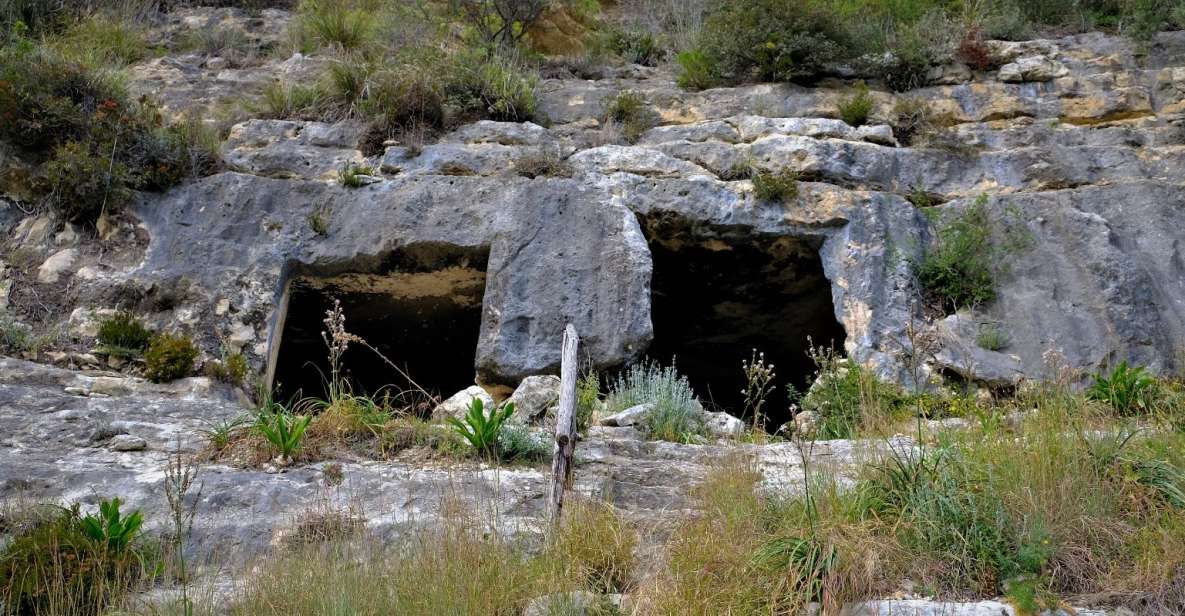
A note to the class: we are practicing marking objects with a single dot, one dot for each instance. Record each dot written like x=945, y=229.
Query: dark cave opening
x=717, y=296
x=421, y=309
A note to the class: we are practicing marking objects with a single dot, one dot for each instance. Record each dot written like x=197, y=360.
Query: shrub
x=1126, y=388
x=96, y=145
x=854, y=109
x=482, y=430
x=771, y=40
x=169, y=357
x=677, y=415
x=517, y=442
x=588, y=396
x=231, y=368
x=629, y=110
x=845, y=396
x=501, y=23
x=695, y=70
x=123, y=334
x=63, y=562
x=912, y=118
x=500, y=88
x=974, y=52
x=636, y=45
x=956, y=271
x=781, y=185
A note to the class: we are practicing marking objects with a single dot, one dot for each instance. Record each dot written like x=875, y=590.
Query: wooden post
x=565, y=424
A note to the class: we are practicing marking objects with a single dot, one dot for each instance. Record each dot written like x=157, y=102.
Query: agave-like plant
x=481, y=430
x=285, y=432
x=110, y=528
x=1127, y=388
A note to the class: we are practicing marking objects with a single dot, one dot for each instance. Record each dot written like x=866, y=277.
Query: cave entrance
x=421, y=309
x=716, y=296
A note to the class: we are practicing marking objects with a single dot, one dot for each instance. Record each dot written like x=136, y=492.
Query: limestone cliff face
x=1077, y=139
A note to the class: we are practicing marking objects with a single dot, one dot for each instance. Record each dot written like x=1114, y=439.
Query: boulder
x=723, y=425
x=56, y=265
x=127, y=442
x=1032, y=68
x=535, y=395
x=459, y=403
x=629, y=417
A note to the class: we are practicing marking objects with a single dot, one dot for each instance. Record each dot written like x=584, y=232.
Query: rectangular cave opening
x=421, y=308
x=717, y=296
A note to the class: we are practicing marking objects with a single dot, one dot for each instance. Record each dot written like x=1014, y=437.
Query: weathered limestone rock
x=127, y=442
x=629, y=417
x=56, y=265
x=535, y=395
x=458, y=404
x=1032, y=68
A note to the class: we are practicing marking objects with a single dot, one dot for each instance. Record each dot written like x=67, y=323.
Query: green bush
x=169, y=357
x=845, y=397
x=636, y=45
x=517, y=442
x=855, y=109
x=957, y=269
x=772, y=40
x=781, y=185
x=695, y=70
x=588, y=395
x=123, y=334
x=66, y=563
x=629, y=110
x=232, y=368
x=351, y=175
x=95, y=144
x=677, y=415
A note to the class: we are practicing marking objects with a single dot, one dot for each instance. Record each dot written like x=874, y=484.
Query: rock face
x=1076, y=138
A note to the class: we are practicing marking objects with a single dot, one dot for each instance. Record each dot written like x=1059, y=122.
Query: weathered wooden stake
x=565, y=424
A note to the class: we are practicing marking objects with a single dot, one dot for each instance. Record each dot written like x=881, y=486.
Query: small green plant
x=588, y=395
x=781, y=185
x=856, y=108
x=957, y=270
x=111, y=529
x=318, y=220
x=991, y=337
x=1127, y=389
x=231, y=368
x=482, y=430
x=353, y=175
x=629, y=110
x=695, y=70
x=169, y=357
x=86, y=183
x=636, y=45
x=219, y=434
x=123, y=335
x=284, y=432
x=15, y=337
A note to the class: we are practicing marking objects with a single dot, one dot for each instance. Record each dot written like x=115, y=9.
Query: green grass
x=780, y=185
